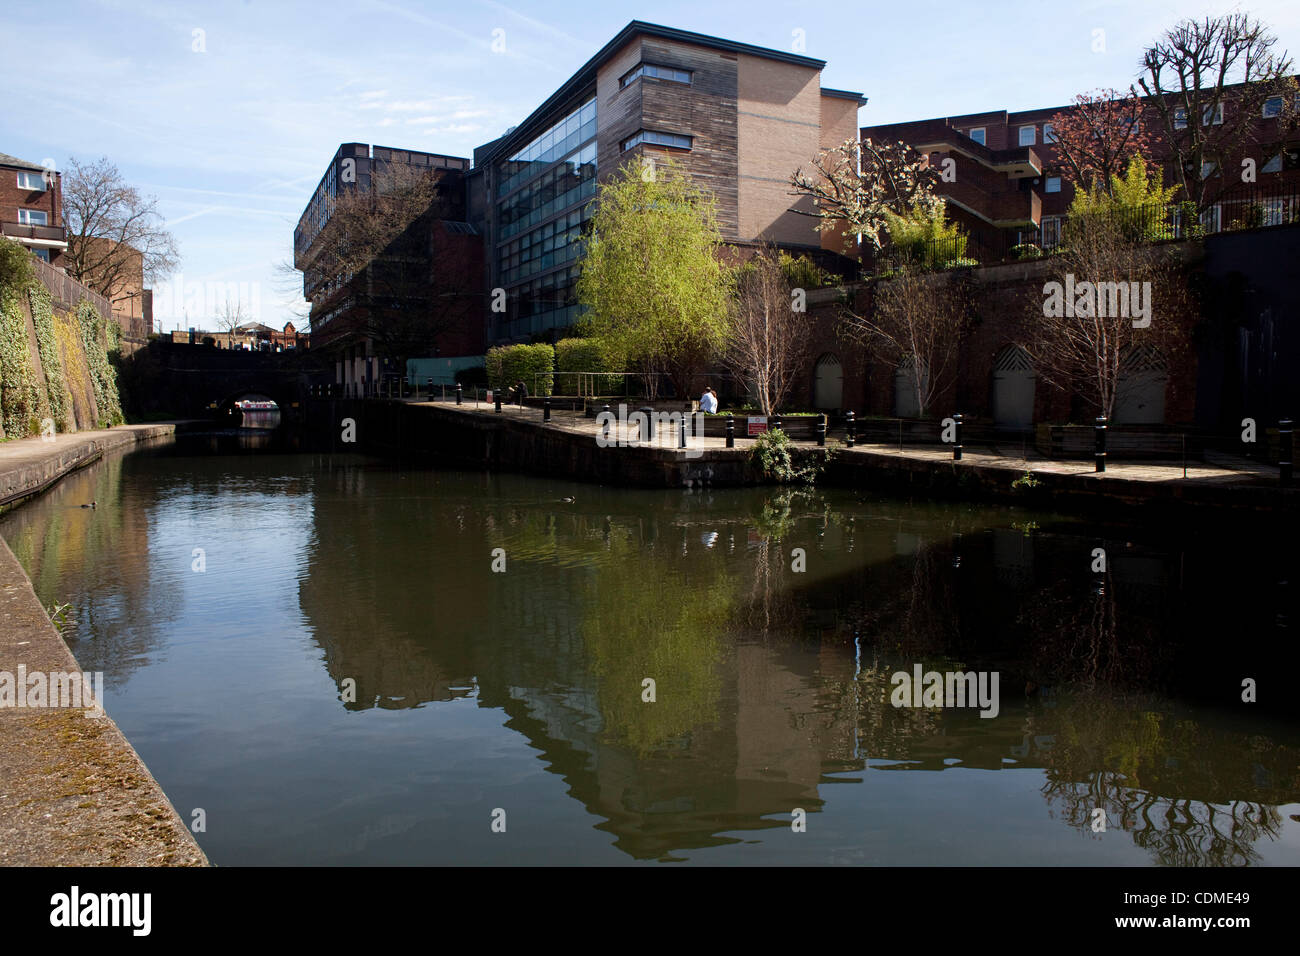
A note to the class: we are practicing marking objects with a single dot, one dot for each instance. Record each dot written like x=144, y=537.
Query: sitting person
x=709, y=401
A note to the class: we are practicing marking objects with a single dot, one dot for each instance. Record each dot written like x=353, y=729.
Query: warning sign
x=756, y=426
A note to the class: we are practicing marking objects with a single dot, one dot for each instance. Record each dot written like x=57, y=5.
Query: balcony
x=49, y=237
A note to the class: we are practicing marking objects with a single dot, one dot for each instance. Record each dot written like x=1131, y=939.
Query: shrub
x=588, y=355
x=535, y=364
x=47, y=343
x=772, y=457
x=97, y=338
x=1026, y=250
x=925, y=238
x=16, y=271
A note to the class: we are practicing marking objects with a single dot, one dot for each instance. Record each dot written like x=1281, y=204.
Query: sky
x=228, y=112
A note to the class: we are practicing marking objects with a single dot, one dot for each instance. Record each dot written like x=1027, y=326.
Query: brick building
x=31, y=208
x=1006, y=183
x=430, y=275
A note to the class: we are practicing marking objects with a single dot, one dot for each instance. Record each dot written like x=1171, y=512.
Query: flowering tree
x=855, y=184
x=1097, y=136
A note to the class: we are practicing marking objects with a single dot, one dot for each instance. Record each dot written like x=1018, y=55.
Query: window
x=42, y=254
x=652, y=138
x=1207, y=169
x=1180, y=118
x=32, y=217
x=977, y=134
x=1049, y=134
x=1028, y=135
x=658, y=72
x=1274, y=212
x=1272, y=107
x=1274, y=165
x=31, y=181
x=1212, y=115
x=1053, y=184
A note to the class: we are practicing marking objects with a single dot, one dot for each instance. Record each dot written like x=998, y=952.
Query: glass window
x=1028, y=135
x=1272, y=107
x=32, y=217
x=31, y=181
x=1053, y=184
x=43, y=254
x=977, y=134
x=1049, y=134
x=1180, y=118
x=1274, y=165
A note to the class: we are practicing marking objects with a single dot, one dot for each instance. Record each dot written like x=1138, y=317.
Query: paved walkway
x=73, y=791
x=1216, y=469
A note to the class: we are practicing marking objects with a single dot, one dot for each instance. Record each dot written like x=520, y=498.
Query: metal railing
x=1239, y=208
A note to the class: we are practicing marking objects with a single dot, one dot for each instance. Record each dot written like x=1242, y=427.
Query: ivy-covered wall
x=54, y=367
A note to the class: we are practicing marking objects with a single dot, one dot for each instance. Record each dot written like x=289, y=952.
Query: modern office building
x=739, y=119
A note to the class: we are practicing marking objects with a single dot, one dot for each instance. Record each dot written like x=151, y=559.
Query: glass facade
x=544, y=195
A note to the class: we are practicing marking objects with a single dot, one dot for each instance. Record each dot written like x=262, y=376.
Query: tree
x=1109, y=296
x=857, y=183
x=1208, y=81
x=768, y=344
x=114, y=233
x=1136, y=201
x=917, y=322
x=1097, y=137
x=652, y=279
x=229, y=319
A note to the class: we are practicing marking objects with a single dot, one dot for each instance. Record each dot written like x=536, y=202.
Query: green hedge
x=18, y=403
x=535, y=364
x=588, y=355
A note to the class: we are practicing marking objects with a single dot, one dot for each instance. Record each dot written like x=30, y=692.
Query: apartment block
x=738, y=119
x=1006, y=172
x=31, y=207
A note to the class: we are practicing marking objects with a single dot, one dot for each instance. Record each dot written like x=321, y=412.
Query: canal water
x=342, y=660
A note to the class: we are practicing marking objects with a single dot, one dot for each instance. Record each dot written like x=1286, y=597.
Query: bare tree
x=229, y=319
x=1108, y=296
x=376, y=249
x=1208, y=82
x=114, y=233
x=856, y=183
x=917, y=320
x=768, y=344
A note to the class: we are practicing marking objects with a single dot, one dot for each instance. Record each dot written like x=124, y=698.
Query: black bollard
x=821, y=432
x=460, y=397
x=849, y=428
x=546, y=409
x=1100, y=450
x=1286, y=450
x=956, y=431
x=497, y=395
x=731, y=431
x=681, y=443
x=605, y=411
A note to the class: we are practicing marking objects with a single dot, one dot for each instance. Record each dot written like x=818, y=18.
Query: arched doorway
x=1013, y=389
x=1140, y=391
x=828, y=383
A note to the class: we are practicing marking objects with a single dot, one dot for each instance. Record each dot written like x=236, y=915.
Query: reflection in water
x=352, y=682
